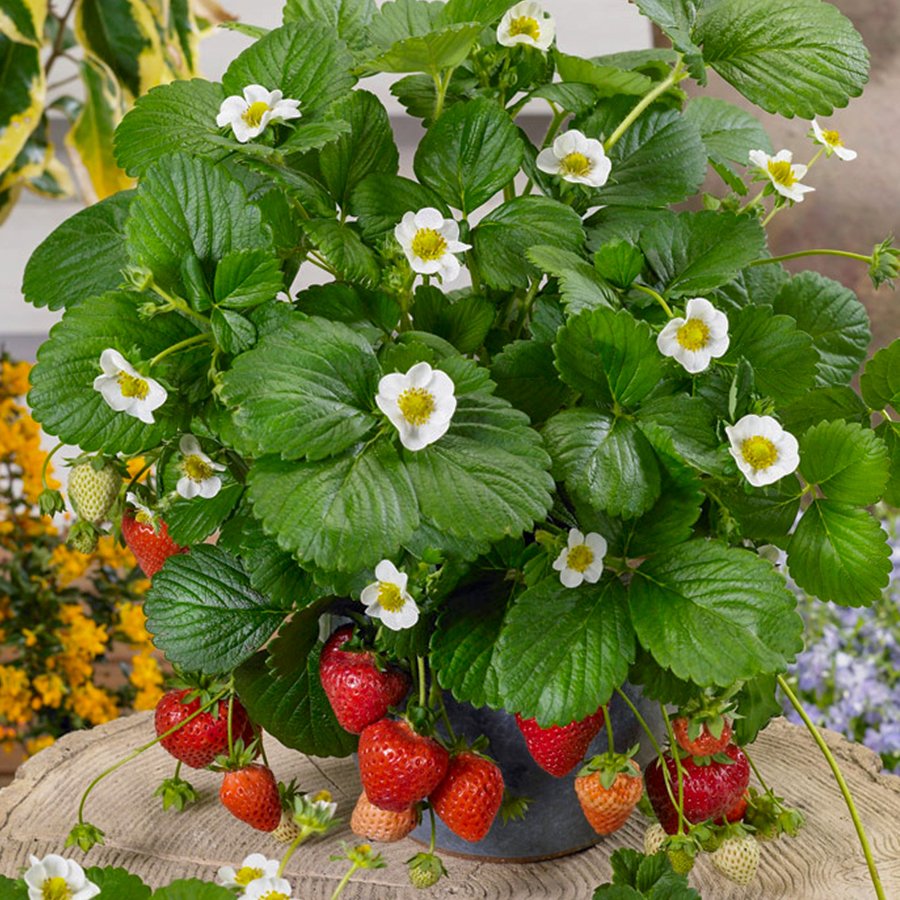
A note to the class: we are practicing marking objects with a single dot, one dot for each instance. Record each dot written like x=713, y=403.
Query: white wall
x=585, y=27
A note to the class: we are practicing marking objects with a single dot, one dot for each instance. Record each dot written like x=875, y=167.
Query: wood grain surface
x=39, y=807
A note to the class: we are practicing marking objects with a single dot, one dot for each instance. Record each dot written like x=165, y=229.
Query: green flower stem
x=676, y=75
x=420, y=666
x=609, y=729
x=230, y=719
x=756, y=772
x=433, y=838
x=443, y=710
x=842, y=784
x=641, y=721
x=441, y=84
x=151, y=460
x=305, y=832
x=816, y=252
x=657, y=297
x=202, y=338
x=345, y=880
x=136, y=753
x=682, y=824
x=177, y=770
x=46, y=465
x=527, y=305
x=772, y=214
x=179, y=305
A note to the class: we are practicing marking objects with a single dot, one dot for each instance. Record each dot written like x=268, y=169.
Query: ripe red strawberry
x=205, y=737
x=469, y=797
x=736, y=813
x=93, y=491
x=710, y=791
x=374, y=824
x=397, y=766
x=702, y=738
x=559, y=748
x=608, y=789
x=251, y=795
x=151, y=548
x=359, y=692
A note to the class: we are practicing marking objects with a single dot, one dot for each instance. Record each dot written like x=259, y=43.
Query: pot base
x=514, y=860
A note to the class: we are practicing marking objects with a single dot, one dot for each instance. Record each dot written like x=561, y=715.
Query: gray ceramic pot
x=555, y=825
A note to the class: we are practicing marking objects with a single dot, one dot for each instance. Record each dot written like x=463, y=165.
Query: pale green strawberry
x=737, y=859
x=288, y=830
x=654, y=837
x=93, y=491
x=425, y=870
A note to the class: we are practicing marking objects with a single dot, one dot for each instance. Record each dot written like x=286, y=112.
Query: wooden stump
x=38, y=809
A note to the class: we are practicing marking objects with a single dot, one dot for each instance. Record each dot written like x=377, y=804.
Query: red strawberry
x=368, y=821
x=397, y=766
x=559, y=748
x=199, y=742
x=736, y=813
x=151, y=548
x=608, y=789
x=359, y=692
x=469, y=797
x=702, y=738
x=251, y=795
x=710, y=791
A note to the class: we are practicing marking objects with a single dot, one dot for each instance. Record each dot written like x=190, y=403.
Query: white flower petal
x=420, y=375
x=548, y=161
x=209, y=487
x=187, y=488
x=256, y=93
x=387, y=571
x=189, y=445
x=429, y=217
x=231, y=108
x=575, y=538
x=845, y=153
x=596, y=543
x=570, y=578
x=560, y=562
x=112, y=362
x=405, y=617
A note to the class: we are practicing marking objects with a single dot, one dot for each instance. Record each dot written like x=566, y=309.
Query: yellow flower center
x=417, y=405
x=196, y=469
x=364, y=848
x=255, y=112
x=693, y=335
x=390, y=597
x=760, y=452
x=429, y=244
x=832, y=138
x=580, y=557
x=132, y=386
x=274, y=895
x=782, y=173
x=525, y=25
x=246, y=874
x=576, y=164
x=55, y=889
x=142, y=517
x=324, y=796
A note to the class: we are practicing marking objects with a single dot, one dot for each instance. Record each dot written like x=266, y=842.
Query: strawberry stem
x=842, y=784
x=305, y=832
x=136, y=753
x=611, y=748
x=230, y=718
x=46, y=465
x=756, y=772
x=682, y=825
x=345, y=880
x=431, y=843
x=420, y=665
x=641, y=721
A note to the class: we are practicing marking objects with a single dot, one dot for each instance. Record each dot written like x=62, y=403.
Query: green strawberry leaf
x=714, y=614
x=563, y=651
x=840, y=553
x=757, y=705
x=13, y=890
x=463, y=322
x=880, y=382
x=192, y=889
x=204, y=613
x=246, y=278
x=350, y=19
x=192, y=521
x=431, y=53
x=380, y=201
x=762, y=513
x=889, y=432
x=526, y=378
x=580, y=284
x=117, y=884
x=823, y=404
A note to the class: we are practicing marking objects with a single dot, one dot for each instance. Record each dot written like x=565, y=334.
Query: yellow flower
x=93, y=704
x=75, y=668
x=132, y=622
x=70, y=565
x=30, y=637
x=114, y=556
x=15, y=696
x=136, y=465
x=80, y=634
x=35, y=745
x=14, y=378
x=50, y=687
x=147, y=677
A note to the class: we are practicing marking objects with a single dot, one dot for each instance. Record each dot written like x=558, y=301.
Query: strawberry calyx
x=83, y=536
x=513, y=809
x=239, y=758
x=426, y=869
x=85, y=836
x=770, y=818
x=422, y=720
x=176, y=793
x=707, y=760
x=610, y=765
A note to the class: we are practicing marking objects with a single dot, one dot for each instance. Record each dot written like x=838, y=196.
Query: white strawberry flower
x=701, y=336
x=269, y=888
x=143, y=514
x=57, y=878
x=419, y=404
x=125, y=390
x=388, y=600
x=198, y=471
x=762, y=449
x=527, y=23
x=576, y=158
x=831, y=141
x=254, y=867
x=315, y=811
x=430, y=242
x=249, y=115
x=582, y=559
x=784, y=176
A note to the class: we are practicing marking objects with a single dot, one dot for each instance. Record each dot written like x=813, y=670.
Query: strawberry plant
x=533, y=432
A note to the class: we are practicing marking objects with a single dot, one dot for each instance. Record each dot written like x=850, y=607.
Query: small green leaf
x=469, y=154
x=714, y=614
x=823, y=404
x=757, y=705
x=306, y=390
x=784, y=358
x=840, y=553
x=232, y=332
x=563, y=650
x=192, y=889
x=606, y=81
x=306, y=62
x=13, y=890
x=889, y=432
x=880, y=382
x=350, y=19
x=431, y=53
x=204, y=614
x=82, y=257
x=311, y=135
x=402, y=19
x=246, y=278
x=283, y=694
x=117, y=884
x=619, y=263
x=192, y=521
x=505, y=233
x=694, y=252
x=580, y=284
x=464, y=322
x=609, y=357
x=803, y=60
x=762, y=513
x=849, y=463
x=834, y=318
x=608, y=461
x=526, y=377
x=343, y=248
x=380, y=201
x=676, y=18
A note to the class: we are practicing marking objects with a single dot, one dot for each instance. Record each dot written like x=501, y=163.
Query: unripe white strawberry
x=654, y=837
x=92, y=492
x=737, y=859
x=288, y=830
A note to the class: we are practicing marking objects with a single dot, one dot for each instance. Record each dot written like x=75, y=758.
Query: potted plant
x=516, y=491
